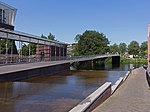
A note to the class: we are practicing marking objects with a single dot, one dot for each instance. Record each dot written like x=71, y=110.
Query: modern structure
x=7, y=16
x=70, y=48
x=149, y=44
x=46, y=49
x=50, y=53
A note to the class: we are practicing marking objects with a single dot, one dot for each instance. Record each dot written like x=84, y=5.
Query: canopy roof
x=5, y=6
x=10, y=13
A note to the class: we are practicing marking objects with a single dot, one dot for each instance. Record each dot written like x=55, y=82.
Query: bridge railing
x=91, y=56
x=16, y=59
x=28, y=59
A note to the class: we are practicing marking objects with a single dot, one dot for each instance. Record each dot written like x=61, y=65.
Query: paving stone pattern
x=132, y=96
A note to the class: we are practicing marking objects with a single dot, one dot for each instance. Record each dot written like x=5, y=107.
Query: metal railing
x=16, y=59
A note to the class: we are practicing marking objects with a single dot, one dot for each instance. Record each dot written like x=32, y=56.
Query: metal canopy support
x=37, y=56
x=59, y=53
x=55, y=52
x=2, y=16
x=15, y=35
x=11, y=50
x=24, y=37
x=0, y=46
x=29, y=52
x=6, y=49
x=63, y=52
x=19, y=49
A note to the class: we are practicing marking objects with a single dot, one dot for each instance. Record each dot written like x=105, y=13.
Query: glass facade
x=1, y=15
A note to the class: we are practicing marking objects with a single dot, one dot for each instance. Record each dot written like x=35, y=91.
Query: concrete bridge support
x=102, y=63
x=116, y=61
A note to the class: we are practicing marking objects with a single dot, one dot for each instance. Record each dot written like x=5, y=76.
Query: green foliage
x=143, y=49
x=42, y=36
x=122, y=48
x=133, y=60
x=124, y=60
x=133, y=48
x=114, y=48
x=33, y=48
x=50, y=36
x=108, y=60
x=75, y=50
x=90, y=43
x=77, y=38
x=25, y=49
x=11, y=46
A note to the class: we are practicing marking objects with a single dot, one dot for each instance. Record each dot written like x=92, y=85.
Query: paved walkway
x=132, y=96
x=20, y=67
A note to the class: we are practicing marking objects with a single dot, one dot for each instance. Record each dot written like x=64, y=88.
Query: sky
x=119, y=20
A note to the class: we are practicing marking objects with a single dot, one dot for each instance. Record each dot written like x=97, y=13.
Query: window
x=1, y=15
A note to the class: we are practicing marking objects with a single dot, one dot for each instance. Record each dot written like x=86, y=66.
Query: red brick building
x=51, y=53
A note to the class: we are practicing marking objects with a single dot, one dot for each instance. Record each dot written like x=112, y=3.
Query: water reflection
x=55, y=93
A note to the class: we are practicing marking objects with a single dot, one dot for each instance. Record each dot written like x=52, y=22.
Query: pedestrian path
x=28, y=66
x=132, y=96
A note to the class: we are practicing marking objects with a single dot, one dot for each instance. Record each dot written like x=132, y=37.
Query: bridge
x=94, y=57
x=22, y=71
x=56, y=49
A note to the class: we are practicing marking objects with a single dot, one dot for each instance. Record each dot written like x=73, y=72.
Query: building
x=45, y=50
x=7, y=16
x=70, y=48
x=51, y=53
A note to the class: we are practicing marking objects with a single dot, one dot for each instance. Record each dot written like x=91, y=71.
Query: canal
x=56, y=93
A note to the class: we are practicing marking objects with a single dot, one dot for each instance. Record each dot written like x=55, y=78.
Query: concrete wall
x=93, y=100
x=106, y=94
x=99, y=96
x=34, y=72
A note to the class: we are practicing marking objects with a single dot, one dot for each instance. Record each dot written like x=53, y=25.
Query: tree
x=42, y=36
x=143, y=49
x=11, y=46
x=90, y=43
x=51, y=37
x=77, y=38
x=122, y=48
x=114, y=48
x=25, y=49
x=32, y=48
x=133, y=48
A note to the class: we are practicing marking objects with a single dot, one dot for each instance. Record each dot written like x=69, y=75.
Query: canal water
x=56, y=93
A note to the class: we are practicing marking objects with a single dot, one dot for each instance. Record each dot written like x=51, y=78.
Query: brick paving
x=132, y=96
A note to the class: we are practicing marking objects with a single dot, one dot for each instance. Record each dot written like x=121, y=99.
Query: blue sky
x=119, y=20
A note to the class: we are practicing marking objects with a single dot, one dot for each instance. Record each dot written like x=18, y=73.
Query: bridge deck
x=132, y=96
x=28, y=66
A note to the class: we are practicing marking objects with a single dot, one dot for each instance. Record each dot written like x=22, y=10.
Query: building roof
x=25, y=37
x=5, y=6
